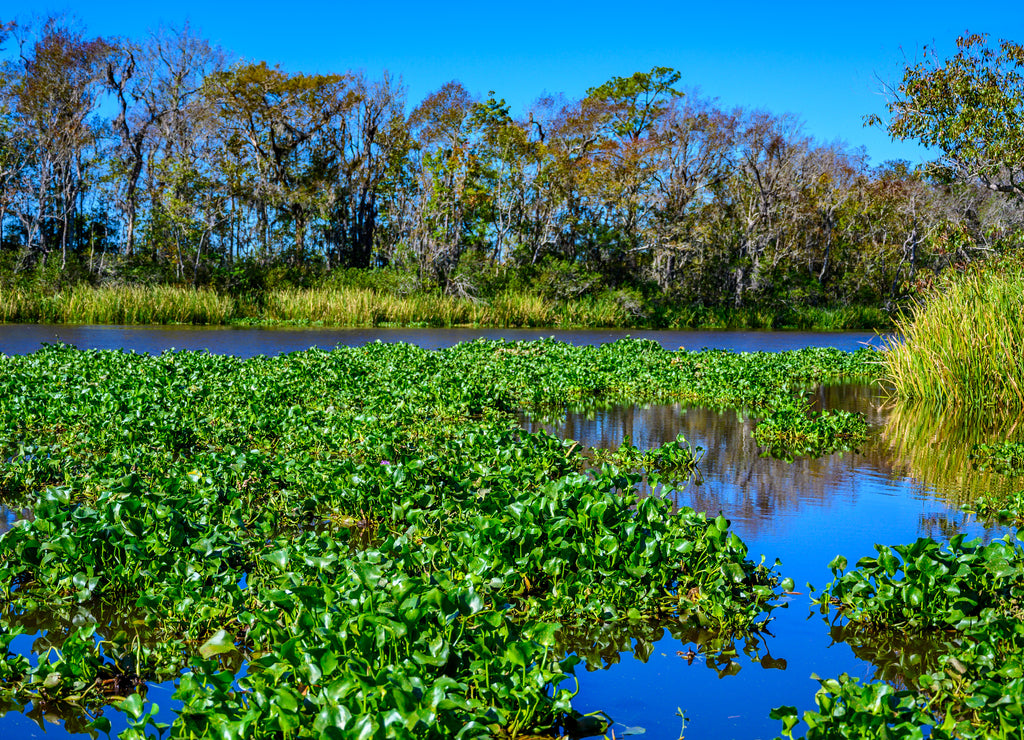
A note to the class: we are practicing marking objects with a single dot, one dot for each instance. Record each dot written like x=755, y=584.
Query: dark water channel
x=908, y=481
x=17, y=339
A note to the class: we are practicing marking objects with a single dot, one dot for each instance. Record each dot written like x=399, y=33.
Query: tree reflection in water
x=928, y=448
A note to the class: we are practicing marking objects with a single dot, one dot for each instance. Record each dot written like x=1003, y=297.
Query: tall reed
x=364, y=306
x=965, y=345
x=347, y=306
x=158, y=304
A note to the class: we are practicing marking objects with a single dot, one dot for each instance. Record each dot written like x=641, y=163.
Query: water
x=804, y=513
x=16, y=339
x=908, y=481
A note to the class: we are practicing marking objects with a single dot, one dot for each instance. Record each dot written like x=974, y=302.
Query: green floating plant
x=793, y=429
x=368, y=529
x=968, y=599
x=1006, y=458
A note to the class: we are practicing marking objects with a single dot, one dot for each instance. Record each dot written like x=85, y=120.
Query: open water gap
x=900, y=486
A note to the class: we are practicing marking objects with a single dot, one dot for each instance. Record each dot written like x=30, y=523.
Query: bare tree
x=57, y=79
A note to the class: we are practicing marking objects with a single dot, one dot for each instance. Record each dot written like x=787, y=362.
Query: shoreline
x=361, y=308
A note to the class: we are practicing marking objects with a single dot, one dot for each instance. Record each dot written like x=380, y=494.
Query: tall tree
x=762, y=194
x=971, y=107
x=280, y=129
x=442, y=128
x=371, y=143
x=12, y=154
x=698, y=157
x=56, y=82
x=156, y=85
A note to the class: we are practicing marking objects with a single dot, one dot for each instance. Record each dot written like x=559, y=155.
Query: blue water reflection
x=804, y=513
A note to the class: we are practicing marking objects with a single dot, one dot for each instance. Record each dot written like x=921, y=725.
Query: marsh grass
x=117, y=305
x=965, y=345
x=361, y=306
x=842, y=318
x=347, y=306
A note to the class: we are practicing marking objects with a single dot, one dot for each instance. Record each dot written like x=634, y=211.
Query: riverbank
x=362, y=307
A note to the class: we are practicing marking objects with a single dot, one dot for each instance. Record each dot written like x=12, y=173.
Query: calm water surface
x=803, y=512
x=17, y=339
x=908, y=481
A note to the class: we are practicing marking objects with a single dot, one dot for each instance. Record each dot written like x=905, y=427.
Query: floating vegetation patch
x=792, y=429
x=967, y=599
x=674, y=461
x=1006, y=458
x=368, y=526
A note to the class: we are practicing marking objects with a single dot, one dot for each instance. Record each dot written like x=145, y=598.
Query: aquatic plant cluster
x=1006, y=460
x=792, y=429
x=676, y=459
x=367, y=531
x=967, y=600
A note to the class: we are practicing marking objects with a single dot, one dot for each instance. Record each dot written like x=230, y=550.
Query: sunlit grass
x=841, y=318
x=364, y=307
x=157, y=304
x=353, y=306
x=965, y=345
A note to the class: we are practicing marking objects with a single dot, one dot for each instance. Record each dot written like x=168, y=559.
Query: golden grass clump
x=157, y=304
x=965, y=345
x=344, y=306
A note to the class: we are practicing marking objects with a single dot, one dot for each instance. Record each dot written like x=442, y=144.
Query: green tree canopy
x=971, y=107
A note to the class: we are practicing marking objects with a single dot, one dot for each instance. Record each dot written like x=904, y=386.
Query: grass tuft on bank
x=965, y=345
x=360, y=306
x=127, y=304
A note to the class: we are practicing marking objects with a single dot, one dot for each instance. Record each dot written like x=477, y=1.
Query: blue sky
x=820, y=61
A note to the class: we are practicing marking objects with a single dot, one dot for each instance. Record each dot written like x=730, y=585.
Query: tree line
x=168, y=160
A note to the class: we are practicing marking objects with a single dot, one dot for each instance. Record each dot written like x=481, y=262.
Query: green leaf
x=278, y=558
x=221, y=642
x=133, y=706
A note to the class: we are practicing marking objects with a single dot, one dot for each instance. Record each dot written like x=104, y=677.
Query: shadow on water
x=907, y=482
